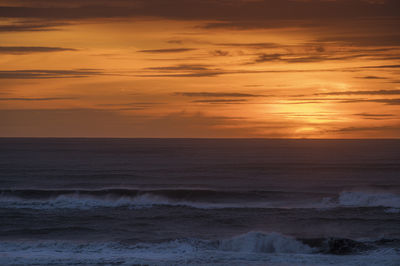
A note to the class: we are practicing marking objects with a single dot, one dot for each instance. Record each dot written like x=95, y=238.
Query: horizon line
x=201, y=138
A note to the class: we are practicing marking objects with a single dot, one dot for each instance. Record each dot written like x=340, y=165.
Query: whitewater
x=253, y=248
x=76, y=199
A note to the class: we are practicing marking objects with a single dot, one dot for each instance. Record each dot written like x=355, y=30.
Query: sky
x=200, y=68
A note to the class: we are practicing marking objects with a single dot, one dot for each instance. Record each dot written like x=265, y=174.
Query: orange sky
x=200, y=68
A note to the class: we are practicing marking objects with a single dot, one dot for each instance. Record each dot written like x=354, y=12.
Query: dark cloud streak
x=377, y=92
x=32, y=49
x=221, y=101
x=23, y=26
x=230, y=12
x=217, y=94
x=48, y=74
x=38, y=99
x=162, y=51
x=395, y=128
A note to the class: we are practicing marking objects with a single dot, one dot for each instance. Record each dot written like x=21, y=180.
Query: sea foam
x=93, y=199
x=253, y=248
x=369, y=199
x=259, y=242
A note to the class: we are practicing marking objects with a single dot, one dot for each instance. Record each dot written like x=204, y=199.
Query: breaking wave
x=250, y=248
x=258, y=242
x=133, y=198
x=207, y=199
x=77, y=201
x=369, y=199
x=363, y=199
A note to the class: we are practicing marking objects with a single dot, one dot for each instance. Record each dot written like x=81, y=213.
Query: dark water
x=192, y=201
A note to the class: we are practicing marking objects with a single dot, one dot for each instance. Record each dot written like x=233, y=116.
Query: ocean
x=199, y=202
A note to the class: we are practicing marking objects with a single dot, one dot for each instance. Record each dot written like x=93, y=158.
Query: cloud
x=257, y=45
x=162, y=51
x=141, y=104
x=175, y=41
x=185, y=75
x=219, y=53
x=395, y=101
x=208, y=72
x=217, y=94
x=201, y=70
x=366, y=40
x=370, y=116
x=302, y=58
x=48, y=74
x=67, y=4
x=182, y=67
x=385, y=101
x=374, y=115
x=38, y=99
x=300, y=102
x=31, y=49
x=221, y=101
x=382, y=66
x=22, y=26
x=184, y=70
x=376, y=92
x=266, y=23
x=134, y=106
x=267, y=58
x=229, y=13
x=111, y=123
x=372, y=77
x=395, y=128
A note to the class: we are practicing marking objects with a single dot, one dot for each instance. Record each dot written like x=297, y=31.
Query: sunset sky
x=200, y=68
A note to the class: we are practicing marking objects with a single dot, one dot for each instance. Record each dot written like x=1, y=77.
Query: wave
x=78, y=201
x=135, y=198
x=369, y=199
x=261, y=242
x=204, y=199
x=363, y=199
x=174, y=194
x=247, y=249
x=258, y=242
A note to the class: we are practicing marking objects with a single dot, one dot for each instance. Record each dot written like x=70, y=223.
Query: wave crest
x=204, y=199
x=369, y=199
x=257, y=242
x=362, y=199
x=77, y=201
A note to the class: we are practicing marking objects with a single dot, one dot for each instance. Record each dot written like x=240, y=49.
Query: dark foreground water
x=191, y=201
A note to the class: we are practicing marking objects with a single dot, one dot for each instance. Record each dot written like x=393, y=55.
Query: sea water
x=199, y=202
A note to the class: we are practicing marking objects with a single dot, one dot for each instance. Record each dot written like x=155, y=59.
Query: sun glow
x=154, y=74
